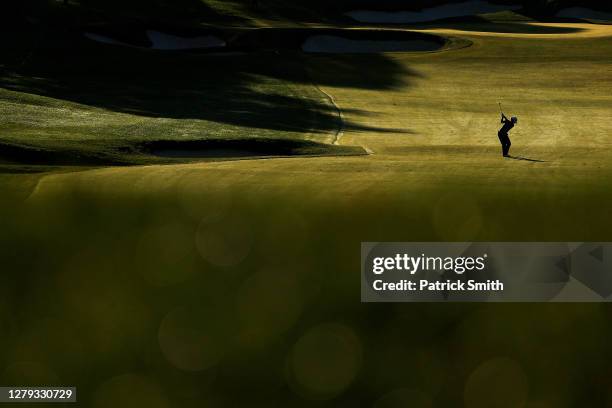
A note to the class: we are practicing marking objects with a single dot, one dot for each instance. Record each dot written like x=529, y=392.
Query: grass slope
x=106, y=115
x=235, y=283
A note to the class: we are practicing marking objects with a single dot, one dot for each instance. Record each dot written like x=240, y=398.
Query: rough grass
x=95, y=104
x=101, y=114
x=112, y=273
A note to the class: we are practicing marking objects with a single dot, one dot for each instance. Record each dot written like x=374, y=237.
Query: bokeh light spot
x=226, y=243
x=498, y=382
x=166, y=254
x=268, y=304
x=190, y=340
x=325, y=361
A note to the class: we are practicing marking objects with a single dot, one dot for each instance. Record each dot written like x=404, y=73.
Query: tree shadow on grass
x=263, y=90
x=14, y=170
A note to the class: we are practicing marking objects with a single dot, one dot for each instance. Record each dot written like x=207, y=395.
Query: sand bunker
x=163, y=41
x=319, y=40
x=339, y=45
x=334, y=40
x=581, y=12
x=106, y=40
x=467, y=8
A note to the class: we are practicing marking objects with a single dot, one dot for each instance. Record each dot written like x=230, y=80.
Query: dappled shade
x=259, y=94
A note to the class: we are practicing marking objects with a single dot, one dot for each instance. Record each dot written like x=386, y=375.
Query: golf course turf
x=187, y=277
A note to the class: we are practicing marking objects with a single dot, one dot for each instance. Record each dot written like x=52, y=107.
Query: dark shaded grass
x=259, y=91
x=219, y=148
x=88, y=265
x=163, y=152
x=292, y=38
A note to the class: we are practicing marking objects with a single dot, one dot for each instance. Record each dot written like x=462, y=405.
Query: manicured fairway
x=431, y=120
x=235, y=283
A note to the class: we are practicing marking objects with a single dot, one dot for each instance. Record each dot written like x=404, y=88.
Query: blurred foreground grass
x=203, y=298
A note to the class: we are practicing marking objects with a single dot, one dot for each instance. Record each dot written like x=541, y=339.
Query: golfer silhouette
x=503, y=133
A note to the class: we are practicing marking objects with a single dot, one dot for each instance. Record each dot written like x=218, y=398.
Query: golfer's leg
x=501, y=141
x=506, y=144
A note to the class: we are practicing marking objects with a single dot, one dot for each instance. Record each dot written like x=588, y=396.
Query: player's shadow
x=527, y=159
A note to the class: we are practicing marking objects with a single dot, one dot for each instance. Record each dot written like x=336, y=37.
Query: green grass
x=108, y=115
x=95, y=104
x=235, y=283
